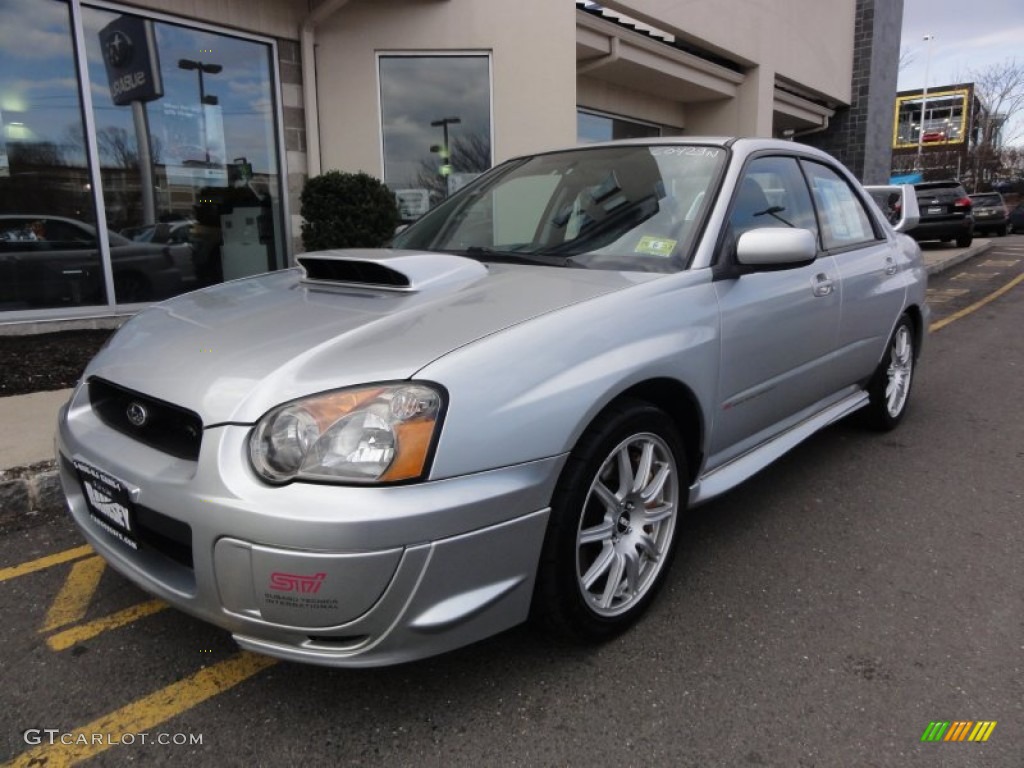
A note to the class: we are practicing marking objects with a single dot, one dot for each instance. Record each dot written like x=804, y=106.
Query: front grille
x=168, y=428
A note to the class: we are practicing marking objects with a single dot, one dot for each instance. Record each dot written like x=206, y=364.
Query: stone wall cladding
x=289, y=55
x=861, y=135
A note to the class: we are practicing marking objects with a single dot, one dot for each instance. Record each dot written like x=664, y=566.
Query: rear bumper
x=947, y=229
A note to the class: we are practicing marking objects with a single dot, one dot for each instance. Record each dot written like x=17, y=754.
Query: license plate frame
x=935, y=209
x=109, y=502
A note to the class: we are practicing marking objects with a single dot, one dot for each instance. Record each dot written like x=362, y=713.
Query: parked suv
x=945, y=213
x=989, y=211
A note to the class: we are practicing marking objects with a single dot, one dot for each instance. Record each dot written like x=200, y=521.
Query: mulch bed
x=46, y=361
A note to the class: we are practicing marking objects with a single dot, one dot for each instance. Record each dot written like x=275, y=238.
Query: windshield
x=630, y=207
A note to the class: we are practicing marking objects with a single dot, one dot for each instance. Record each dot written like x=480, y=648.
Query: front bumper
x=335, y=575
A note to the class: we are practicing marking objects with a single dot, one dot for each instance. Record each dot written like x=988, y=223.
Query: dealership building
x=151, y=148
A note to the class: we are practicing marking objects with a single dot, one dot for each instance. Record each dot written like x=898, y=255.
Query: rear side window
x=844, y=220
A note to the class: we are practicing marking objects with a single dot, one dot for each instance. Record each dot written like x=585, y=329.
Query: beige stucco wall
x=595, y=94
x=807, y=41
x=533, y=70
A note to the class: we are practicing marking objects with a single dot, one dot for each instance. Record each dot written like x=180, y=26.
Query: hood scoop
x=389, y=270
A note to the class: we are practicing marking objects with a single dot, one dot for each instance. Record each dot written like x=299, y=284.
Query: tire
x=889, y=389
x=962, y=241
x=1001, y=232
x=613, y=526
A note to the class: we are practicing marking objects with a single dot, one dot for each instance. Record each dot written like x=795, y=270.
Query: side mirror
x=776, y=247
x=898, y=203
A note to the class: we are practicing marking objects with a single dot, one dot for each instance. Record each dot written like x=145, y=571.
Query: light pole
x=446, y=166
x=204, y=100
x=924, y=97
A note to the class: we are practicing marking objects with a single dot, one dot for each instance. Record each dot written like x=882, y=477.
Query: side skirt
x=731, y=474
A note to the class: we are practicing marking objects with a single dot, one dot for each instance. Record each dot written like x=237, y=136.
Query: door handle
x=890, y=265
x=822, y=284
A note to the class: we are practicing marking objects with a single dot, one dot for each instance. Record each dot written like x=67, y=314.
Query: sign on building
x=412, y=203
x=133, y=63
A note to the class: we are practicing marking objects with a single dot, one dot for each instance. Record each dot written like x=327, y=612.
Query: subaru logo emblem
x=137, y=414
x=119, y=49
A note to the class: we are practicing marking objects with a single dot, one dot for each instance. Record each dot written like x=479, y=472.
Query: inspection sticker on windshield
x=655, y=246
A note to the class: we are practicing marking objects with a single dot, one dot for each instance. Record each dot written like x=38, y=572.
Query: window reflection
x=48, y=247
x=436, y=116
x=187, y=153
x=592, y=127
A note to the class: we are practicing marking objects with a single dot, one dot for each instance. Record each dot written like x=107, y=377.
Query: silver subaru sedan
x=380, y=455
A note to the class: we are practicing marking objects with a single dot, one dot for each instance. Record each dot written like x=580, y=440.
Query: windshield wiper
x=510, y=256
x=774, y=212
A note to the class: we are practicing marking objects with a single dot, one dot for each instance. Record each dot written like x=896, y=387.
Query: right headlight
x=376, y=434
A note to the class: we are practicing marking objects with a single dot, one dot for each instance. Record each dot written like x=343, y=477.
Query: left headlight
x=376, y=434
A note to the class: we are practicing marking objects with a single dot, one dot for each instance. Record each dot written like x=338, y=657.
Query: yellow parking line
x=72, y=601
x=44, y=562
x=64, y=640
x=146, y=713
x=940, y=324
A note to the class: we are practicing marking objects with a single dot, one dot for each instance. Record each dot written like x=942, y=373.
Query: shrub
x=347, y=210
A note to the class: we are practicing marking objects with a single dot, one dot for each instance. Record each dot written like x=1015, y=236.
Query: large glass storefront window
x=945, y=118
x=183, y=123
x=436, y=121
x=187, y=151
x=49, y=255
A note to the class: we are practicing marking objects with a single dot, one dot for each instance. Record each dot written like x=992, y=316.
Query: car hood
x=233, y=351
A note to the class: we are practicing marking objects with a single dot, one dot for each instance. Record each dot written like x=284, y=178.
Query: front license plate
x=936, y=209
x=109, y=503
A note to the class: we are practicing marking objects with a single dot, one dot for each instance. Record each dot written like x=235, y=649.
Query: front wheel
x=614, y=519
x=889, y=390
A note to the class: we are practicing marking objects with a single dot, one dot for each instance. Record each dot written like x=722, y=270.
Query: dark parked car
x=50, y=261
x=989, y=211
x=945, y=212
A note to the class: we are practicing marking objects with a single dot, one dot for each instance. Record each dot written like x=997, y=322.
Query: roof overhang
x=612, y=53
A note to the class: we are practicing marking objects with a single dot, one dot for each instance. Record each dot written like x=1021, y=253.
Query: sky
x=968, y=36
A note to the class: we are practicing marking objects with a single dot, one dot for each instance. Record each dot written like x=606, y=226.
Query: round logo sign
x=118, y=49
x=137, y=414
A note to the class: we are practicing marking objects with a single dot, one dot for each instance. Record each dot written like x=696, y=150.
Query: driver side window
x=772, y=193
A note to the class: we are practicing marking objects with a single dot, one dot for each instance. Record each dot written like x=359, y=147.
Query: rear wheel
x=962, y=241
x=889, y=390
x=614, y=520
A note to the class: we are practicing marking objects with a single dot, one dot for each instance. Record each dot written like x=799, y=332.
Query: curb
x=30, y=490
x=960, y=258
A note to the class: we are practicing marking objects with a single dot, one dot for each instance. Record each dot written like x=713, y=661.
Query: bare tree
x=470, y=153
x=907, y=57
x=1000, y=88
